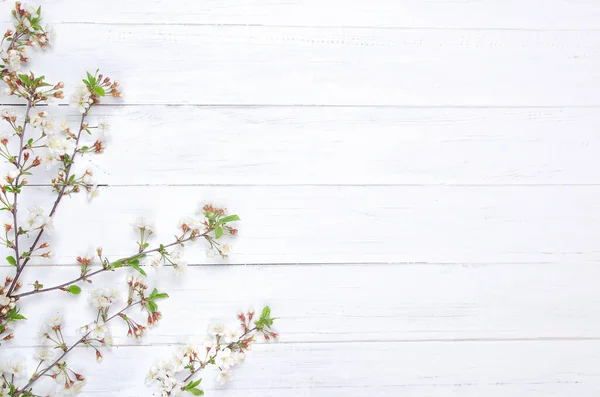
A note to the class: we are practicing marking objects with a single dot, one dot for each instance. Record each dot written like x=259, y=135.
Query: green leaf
x=25, y=79
x=91, y=78
x=266, y=313
x=13, y=315
x=230, y=218
x=11, y=260
x=136, y=267
x=117, y=264
x=99, y=91
x=196, y=392
x=156, y=295
x=218, y=231
x=74, y=289
x=192, y=384
x=152, y=306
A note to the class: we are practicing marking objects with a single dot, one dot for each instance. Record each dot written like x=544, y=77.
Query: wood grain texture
x=250, y=65
x=417, y=182
x=356, y=303
x=441, y=14
x=359, y=146
x=352, y=224
x=471, y=369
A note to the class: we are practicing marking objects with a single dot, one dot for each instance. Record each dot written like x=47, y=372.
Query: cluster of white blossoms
x=82, y=98
x=220, y=349
x=26, y=22
x=102, y=298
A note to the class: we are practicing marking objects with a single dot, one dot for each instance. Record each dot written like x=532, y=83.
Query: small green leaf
x=192, y=384
x=218, y=231
x=266, y=313
x=11, y=260
x=25, y=79
x=152, y=306
x=196, y=392
x=230, y=218
x=117, y=264
x=13, y=315
x=91, y=78
x=137, y=267
x=99, y=91
x=74, y=289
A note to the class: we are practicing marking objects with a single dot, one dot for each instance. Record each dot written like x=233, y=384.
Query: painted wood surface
x=417, y=180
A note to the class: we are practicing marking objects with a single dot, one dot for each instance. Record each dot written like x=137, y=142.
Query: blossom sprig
x=28, y=32
x=223, y=348
x=35, y=139
x=95, y=335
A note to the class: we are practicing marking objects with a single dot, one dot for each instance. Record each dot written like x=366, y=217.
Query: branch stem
x=39, y=375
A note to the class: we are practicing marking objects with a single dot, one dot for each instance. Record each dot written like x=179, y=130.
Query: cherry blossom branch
x=104, y=269
x=229, y=346
x=54, y=207
x=15, y=192
x=37, y=376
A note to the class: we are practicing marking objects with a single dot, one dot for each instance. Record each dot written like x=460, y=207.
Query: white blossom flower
x=12, y=174
x=14, y=61
x=9, y=113
x=230, y=334
x=59, y=145
x=64, y=126
x=154, y=259
x=143, y=223
x=81, y=98
x=238, y=357
x=179, y=266
x=50, y=32
x=54, y=322
x=49, y=160
x=216, y=329
x=103, y=126
x=45, y=354
x=103, y=298
x=224, y=360
x=226, y=249
x=15, y=367
x=4, y=300
x=98, y=330
x=223, y=377
x=5, y=136
x=93, y=192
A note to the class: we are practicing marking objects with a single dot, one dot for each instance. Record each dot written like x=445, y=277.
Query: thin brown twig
x=53, y=210
x=16, y=183
x=86, y=276
x=216, y=354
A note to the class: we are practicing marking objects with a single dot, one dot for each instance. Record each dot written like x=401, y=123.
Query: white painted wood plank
x=350, y=302
x=333, y=66
x=353, y=224
x=300, y=145
x=472, y=369
x=486, y=14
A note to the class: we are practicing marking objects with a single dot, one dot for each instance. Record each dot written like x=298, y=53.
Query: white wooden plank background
x=418, y=183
